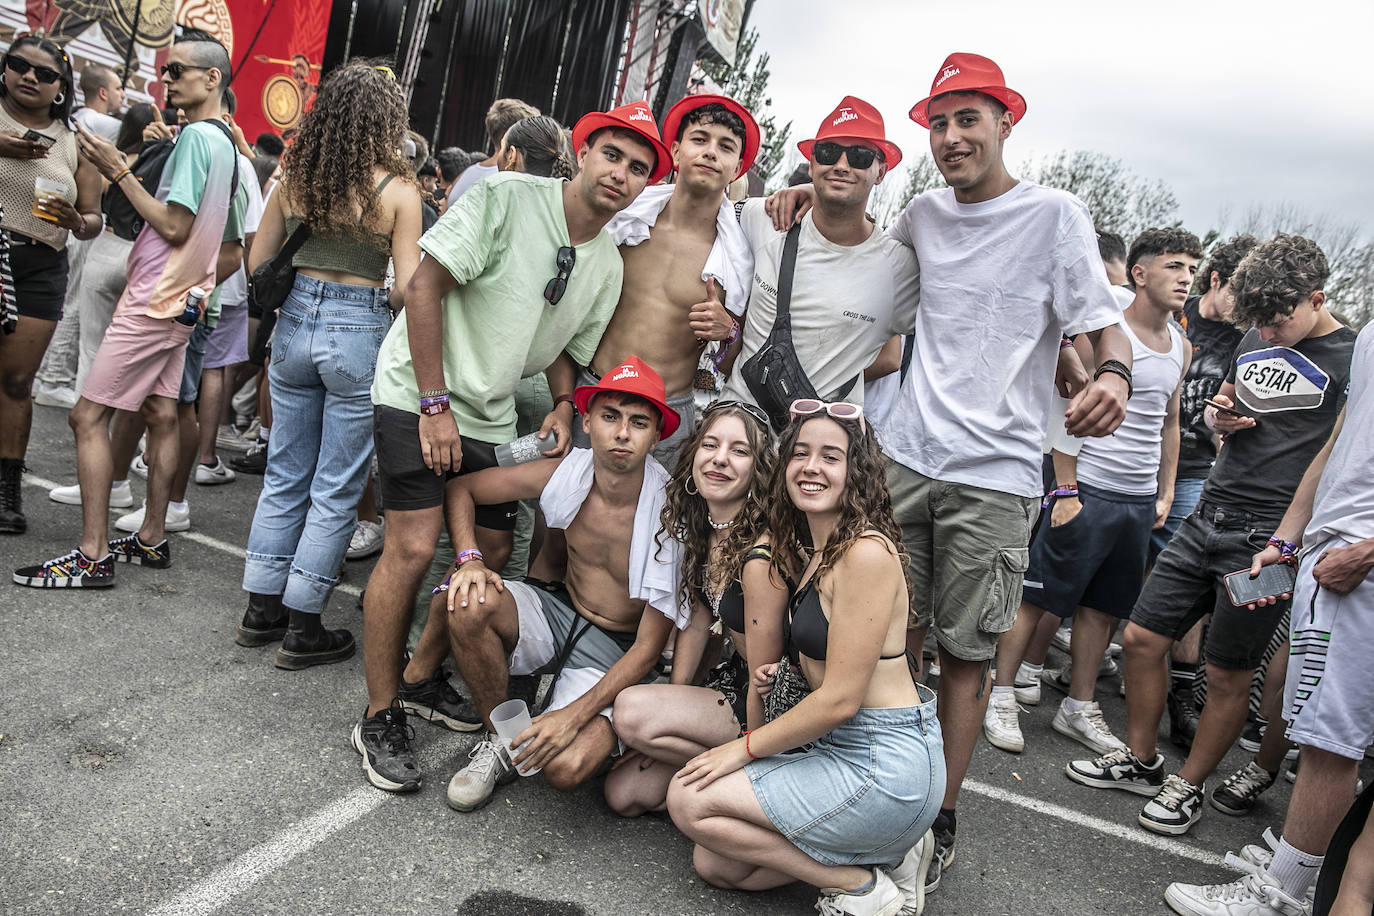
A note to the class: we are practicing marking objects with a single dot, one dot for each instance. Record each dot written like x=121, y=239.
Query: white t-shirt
x=234, y=291
x=1001, y=281
x=102, y=125
x=1344, y=504
x=1128, y=460
x=469, y=177
x=846, y=302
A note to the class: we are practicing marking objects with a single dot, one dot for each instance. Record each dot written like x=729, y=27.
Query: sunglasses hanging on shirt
x=555, y=288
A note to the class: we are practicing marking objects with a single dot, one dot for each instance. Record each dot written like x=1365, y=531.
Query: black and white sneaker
x=1119, y=769
x=1237, y=795
x=130, y=549
x=1253, y=734
x=435, y=700
x=943, y=855
x=1175, y=809
x=384, y=741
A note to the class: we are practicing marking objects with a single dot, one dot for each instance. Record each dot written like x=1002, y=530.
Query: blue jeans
x=1187, y=491
x=324, y=355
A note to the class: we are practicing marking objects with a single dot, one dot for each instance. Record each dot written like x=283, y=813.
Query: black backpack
x=120, y=215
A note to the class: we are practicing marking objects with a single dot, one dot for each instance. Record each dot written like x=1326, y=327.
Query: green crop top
x=363, y=254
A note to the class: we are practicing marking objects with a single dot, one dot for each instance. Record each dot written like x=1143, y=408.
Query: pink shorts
x=140, y=357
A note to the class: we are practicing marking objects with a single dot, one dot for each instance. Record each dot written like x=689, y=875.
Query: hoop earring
x=688, y=484
x=59, y=98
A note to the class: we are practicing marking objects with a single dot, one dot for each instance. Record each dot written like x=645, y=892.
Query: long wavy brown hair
x=686, y=516
x=356, y=126
x=866, y=504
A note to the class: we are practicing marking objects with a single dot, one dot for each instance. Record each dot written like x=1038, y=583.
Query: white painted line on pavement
x=223, y=885
x=202, y=539
x=1130, y=833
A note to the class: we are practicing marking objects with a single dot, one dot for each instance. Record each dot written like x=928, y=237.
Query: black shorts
x=1096, y=559
x=1186, y=583
x=408, y=484
x=40, y=278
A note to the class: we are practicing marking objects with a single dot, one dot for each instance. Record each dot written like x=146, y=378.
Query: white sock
x=1294, y=869
x=1002, y=691
x=1029, y=672
x=263, y=433
x=1072, y=706
x=182, y=506
x=115, y=485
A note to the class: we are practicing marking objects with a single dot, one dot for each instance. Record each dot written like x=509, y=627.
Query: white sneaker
x=1256, y=856
x=139, y=467
x=1252, y=894
x=250, y=434
x=1027, y=692
x=228, y=438
x=367, y=540
x=176, y=519
x=882, y=899
x=488, y=764
x=54, y=395
x=1001, y=723
x=209, y=476
x=910, y=876
x=121, y=495
x=1087, y=727
x=1062, y=637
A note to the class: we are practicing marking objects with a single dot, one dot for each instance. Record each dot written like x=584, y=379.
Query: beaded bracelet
x=1059, y=493
x=746, y=745
x=1286, y=548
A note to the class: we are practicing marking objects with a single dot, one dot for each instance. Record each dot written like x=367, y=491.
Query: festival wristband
x=433, y=406
x=746, y=745
x=1059, y=493
x=115, y=180
x=1116, y=367
x=1065, y=343
x=465, y=555
x=1286, y=548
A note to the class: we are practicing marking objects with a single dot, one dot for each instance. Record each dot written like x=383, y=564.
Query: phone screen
x=1275, y=579
x=42, y=140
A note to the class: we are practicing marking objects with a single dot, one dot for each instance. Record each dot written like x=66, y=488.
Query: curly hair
x=685, y=515
x=866, y=504
x=713, y=113
x=357, y=125
x=58, y=111
x=1224, y=259
x=1276, y=277
x=1154, y=242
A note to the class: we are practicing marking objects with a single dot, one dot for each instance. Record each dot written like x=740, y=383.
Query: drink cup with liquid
x=45, y=189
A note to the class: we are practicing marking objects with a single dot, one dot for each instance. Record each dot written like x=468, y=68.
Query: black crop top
x=808, y=630
x=730, y=610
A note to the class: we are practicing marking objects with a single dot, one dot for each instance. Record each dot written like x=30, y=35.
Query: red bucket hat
x=673, y=121
x=632, y=377
x=854, y=119
x=971, y=73
x=635, y=116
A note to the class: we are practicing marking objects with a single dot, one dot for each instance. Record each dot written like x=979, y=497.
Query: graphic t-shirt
x=500, y=242
x=1294, y=394
x=1001, y=281
x=847, y=301
x=197, y=175
x=1344, y=505
x=1214, y=343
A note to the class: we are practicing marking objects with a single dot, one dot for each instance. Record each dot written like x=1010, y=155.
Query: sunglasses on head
x=176, y=69
x=839, y=410
x=860, y=157
x=21, y=66
x=757, y=413
x=555, y=288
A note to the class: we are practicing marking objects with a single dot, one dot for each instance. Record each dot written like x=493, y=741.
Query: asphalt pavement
x=149, y=764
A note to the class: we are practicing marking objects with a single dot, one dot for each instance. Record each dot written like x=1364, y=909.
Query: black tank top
x=808, y=630
x=730, y=610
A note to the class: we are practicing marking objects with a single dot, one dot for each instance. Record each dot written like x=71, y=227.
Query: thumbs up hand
x=709, y=320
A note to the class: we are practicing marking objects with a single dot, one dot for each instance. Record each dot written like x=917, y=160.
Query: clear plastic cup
x=526, y=448
x=43, y=189
x=510, y=719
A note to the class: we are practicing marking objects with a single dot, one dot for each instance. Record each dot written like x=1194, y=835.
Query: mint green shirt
x=500, y=241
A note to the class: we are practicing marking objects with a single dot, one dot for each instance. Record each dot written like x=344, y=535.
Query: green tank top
x=361, y=253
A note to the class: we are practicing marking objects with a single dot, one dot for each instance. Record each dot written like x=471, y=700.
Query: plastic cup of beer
x=45, y=189
x=510, y=719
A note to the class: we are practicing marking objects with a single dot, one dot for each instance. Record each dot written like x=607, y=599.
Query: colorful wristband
x=1059, y=493
x=1286, y=548
x=465, y=555
x=433, y=406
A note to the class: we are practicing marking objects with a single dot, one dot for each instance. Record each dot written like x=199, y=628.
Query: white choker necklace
x=719, y=526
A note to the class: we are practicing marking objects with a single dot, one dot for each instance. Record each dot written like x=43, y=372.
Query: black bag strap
x=293, y=245
x=229, y=135
x=782, y=322
x=908, y=348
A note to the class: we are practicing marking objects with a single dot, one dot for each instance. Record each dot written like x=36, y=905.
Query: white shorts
x=1327, y=700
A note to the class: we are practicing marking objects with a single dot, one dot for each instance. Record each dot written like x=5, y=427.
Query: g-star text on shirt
x=949, y=72
x=846, y=114
x=1278, y=378
x=870, y=319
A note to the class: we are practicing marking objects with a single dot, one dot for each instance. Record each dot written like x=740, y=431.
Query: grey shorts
x=967, y=552
x=1326, y=699
x=667, y=451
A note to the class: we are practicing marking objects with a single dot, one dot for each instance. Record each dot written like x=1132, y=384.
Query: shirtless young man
x=672, y=238
x=594, y=636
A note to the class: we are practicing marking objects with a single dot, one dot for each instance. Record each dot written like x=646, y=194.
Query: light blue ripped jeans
x=324, y=355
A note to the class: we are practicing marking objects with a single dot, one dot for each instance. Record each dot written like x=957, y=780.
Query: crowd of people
x=710, y=470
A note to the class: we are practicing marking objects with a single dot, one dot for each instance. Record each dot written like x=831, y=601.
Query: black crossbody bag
x=774, y=375
x=268, y=287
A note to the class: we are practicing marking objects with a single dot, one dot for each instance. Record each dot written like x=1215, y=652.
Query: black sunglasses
x=860, y=157
x=21, y=66
x=176, y=69
x=750, y=409
x=555, y=288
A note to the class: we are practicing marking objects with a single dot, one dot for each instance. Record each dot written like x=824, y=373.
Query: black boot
x=1182, y=718
x=308, y=643
x=12, y=519
x=263, y=622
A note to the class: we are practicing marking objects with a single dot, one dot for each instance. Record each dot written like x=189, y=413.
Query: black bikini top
x=730, y=610
x=808, y=630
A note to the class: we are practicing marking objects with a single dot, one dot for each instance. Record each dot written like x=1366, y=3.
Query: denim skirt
x=863, y=794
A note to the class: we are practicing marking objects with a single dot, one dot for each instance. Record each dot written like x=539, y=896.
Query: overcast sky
x=1230, y=103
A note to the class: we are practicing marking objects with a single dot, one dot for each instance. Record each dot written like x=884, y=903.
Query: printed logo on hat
x=624, y=372
x=846, y=114
x=861, y=122
x=948, y=72
x=641, y=114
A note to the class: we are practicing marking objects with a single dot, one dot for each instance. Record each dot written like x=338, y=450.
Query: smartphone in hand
x=42, y=140
x=1222, y=408
x=1273, y=580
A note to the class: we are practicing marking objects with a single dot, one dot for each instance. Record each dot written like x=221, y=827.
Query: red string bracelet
x=746, y=744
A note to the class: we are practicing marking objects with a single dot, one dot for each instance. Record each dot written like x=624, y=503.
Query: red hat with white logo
x=971, y=73
x=672, y=121
x=854, y=120
x=636, y=117
x=632, y=377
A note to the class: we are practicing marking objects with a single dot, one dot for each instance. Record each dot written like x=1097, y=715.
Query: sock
x=999, y=691
x=865, y=888
x=945, y=821
x=1029, y=672
x=1071, y=705
x=263, y=433
x=1182, y=675
x=1294, y=869
x=115, y=484
x=182, y=506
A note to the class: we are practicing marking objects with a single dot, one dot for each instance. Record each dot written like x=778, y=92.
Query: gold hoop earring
x=687, y=486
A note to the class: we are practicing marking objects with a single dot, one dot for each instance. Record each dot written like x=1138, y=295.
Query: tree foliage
x=1118, y=199
x=747, y=83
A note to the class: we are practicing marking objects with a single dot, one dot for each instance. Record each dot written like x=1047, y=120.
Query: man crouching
x=592, y=634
